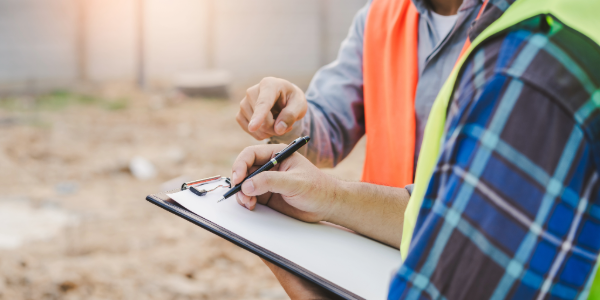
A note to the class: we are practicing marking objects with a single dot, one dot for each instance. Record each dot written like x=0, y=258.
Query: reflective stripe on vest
x=580, y=15
x=595, y=290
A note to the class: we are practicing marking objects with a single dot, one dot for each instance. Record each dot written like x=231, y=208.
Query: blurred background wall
x=81, y=145
x=75, y=127
x=49, y=44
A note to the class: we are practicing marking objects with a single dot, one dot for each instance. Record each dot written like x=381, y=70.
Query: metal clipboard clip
x=195, y=186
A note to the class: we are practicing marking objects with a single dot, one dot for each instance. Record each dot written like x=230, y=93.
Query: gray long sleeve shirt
x=335, y=117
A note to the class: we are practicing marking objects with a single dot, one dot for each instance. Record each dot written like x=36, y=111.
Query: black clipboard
x=163, y=201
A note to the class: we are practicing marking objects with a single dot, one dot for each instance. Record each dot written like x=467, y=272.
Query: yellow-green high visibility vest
x=595, y=291
x=580, y=15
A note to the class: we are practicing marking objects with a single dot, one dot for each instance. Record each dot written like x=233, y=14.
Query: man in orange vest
x=383, y=83
x=508, y=182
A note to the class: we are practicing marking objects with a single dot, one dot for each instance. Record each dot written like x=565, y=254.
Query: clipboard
x=164, y=201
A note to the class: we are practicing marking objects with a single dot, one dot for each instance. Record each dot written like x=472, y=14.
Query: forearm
x=372, y=210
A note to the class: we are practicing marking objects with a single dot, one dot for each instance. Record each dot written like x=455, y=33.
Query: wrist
x=337, y=197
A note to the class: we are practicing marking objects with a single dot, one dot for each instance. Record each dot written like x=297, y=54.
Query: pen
x=279, y=157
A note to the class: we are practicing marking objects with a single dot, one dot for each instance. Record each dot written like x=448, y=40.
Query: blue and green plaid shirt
x=513, y=208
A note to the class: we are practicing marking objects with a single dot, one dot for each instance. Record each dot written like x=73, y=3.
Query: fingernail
x=252, y=122
x=281, y=127
x=233, y=177
x=248, y=186
x=248, y=205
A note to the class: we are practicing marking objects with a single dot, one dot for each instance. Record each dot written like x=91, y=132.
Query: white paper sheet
x=353, y=262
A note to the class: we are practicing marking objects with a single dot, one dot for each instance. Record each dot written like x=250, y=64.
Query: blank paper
x=353, y=262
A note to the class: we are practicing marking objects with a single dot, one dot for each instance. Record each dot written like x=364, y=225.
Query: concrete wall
x=58, y=42
x=37, y=41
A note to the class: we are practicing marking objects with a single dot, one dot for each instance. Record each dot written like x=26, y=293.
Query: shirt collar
x=423, y=5
x=492, y=12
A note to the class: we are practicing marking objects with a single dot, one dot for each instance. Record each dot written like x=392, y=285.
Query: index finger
x=252, y=156
x=267, y=96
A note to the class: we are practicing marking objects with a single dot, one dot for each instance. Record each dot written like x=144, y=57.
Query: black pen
x=279, y=157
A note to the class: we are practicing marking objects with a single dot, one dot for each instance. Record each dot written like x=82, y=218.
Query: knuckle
x=251, y=92
x=260, y=102
x=245, y=153
x=251, y=150
x=268, y=82
x=264, y=82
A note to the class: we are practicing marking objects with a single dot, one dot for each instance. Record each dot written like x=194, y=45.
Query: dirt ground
x=68, y=155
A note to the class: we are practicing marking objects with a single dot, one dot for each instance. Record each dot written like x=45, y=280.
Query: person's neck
x=445, y=7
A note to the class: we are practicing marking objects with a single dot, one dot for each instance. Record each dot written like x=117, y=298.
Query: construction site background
x=91, y=122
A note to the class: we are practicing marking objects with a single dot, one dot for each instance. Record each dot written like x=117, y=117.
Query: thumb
x=266, y=99
x=269, y=181
x=292, y=112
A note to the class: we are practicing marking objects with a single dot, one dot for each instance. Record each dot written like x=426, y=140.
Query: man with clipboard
x=507, y=194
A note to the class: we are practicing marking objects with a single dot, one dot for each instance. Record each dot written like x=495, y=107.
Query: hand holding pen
x=279, y=157
x=294, y=187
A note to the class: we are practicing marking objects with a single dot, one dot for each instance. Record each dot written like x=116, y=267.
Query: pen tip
x=221, y=199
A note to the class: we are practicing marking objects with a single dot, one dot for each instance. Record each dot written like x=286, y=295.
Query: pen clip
x=288, y=146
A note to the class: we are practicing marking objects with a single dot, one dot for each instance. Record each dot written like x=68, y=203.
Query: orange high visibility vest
x=390, y=75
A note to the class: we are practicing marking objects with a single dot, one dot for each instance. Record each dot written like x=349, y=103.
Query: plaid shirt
x=513, y=208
